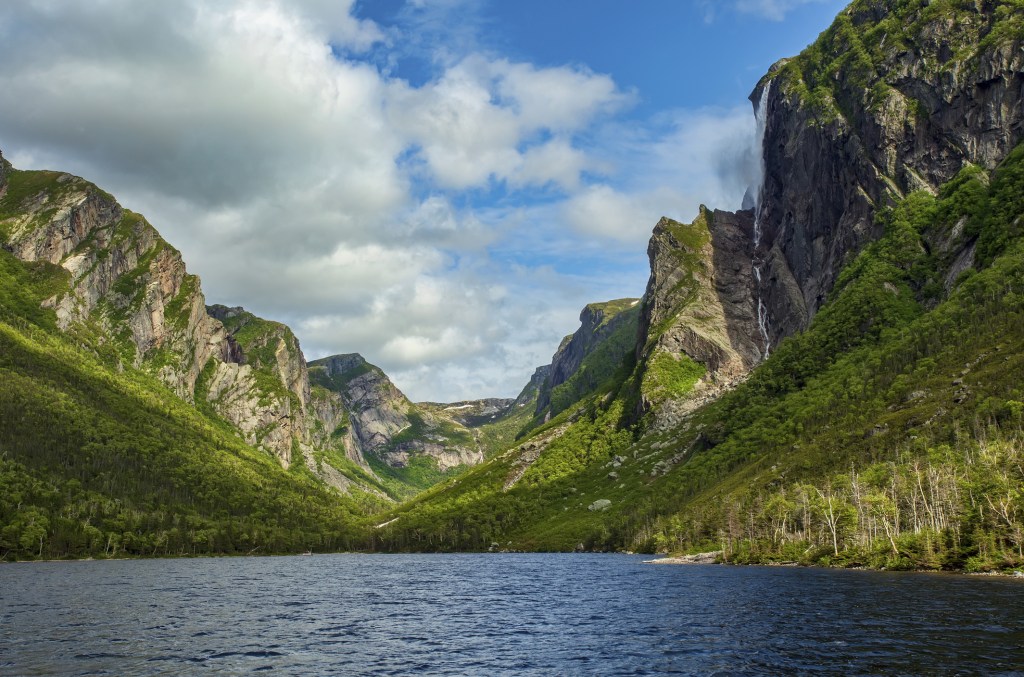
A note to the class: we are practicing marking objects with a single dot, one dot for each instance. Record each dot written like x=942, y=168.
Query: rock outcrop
x=700, y=301
x=129, y=295
x=265, y=392
x=897, y=96
x=384, y=424
x=126, y=286
x=598, y=321
x=588, y=357
x=530, y=393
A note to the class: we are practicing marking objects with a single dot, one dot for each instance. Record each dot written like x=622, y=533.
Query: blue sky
x=440, y=185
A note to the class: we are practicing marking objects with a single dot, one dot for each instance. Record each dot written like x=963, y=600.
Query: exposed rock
x=125, y=281
x=386, y=424
x=700, y=298
x=265, y=392
x=599, y=505
x=471, y=413
x=933, y=102
x=599, y=322
x=129, y=288
x=531, y=392
x=699, y=558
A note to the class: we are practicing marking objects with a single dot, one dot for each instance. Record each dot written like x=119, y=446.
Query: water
x=498, y=615
x=761, y=118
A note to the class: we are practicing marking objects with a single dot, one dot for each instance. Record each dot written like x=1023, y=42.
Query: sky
x=440, y=185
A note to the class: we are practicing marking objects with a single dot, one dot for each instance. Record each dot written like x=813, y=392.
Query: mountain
x=104, y=326
x=411, y=446
x=830, y=376
x=589, y=356
x=103, y=449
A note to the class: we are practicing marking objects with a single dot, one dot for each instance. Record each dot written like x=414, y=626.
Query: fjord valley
x=829, y=375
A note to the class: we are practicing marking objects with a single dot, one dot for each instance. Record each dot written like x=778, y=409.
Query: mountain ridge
x=802, y=380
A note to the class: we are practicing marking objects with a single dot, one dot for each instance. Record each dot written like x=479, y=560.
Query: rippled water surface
x=498, y=614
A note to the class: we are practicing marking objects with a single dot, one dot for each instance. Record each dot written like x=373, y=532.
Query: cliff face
x=598, y=321
x=384, y=424
x=698, y=324
x=589, y=356
x=531, y=391
x=126, y=285
x=897, y=96
x=129, y=295
x=265, y=392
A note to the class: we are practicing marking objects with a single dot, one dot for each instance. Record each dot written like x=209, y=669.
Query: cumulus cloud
x=688, y=159
x=302, y=180
x=481, y=121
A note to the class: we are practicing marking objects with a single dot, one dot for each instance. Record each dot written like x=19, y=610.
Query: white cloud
x=319, y=191
x=480, y=121
x=691, y=158
x=775, y=10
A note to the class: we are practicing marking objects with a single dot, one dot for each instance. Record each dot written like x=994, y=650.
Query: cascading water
x=762, y=309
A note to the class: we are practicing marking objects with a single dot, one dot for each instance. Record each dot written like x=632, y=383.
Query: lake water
x=497, y=615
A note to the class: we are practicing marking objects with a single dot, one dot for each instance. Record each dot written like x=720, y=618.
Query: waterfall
x=761, y=118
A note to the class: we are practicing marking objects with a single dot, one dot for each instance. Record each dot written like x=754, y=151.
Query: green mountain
x=137, y=420
x=833, y=376
x=409, y=446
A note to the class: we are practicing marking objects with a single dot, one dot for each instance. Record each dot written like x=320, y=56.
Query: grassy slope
x=867, y=392
x=97, y=463
x=98, y=459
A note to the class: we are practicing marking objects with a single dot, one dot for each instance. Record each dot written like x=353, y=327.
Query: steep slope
x=698, y=332
x=125, y=285
x=589, y=356
x=115, y=300
x=896, y=96
x=411, y=444
x=888, y=432
x=127, y=294
x=98, y=461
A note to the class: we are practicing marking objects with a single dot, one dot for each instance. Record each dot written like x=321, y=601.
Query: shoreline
x=697, y=559
x=711, y=559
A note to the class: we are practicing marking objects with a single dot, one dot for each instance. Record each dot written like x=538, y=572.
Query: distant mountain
x=414, y=445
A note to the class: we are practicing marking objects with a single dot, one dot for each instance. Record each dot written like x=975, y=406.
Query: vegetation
x=888, y=434
x=846, y=68
x=94, y=463
x=603, y=361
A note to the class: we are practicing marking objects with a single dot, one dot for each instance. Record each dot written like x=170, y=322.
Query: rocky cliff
x=129, y=296
x=896, y=96
x=264, y=390
x=590, y=355
x=698, y=323
x=384, y=424
x=126, y=287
